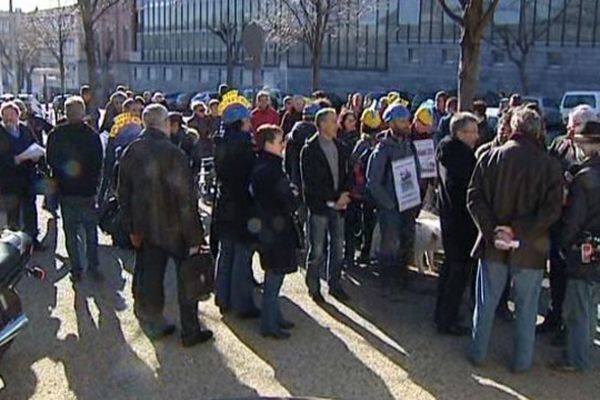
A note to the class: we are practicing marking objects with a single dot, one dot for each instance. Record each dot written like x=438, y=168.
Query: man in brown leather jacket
x=514, y=197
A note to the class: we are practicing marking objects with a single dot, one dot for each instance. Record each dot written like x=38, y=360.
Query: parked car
x=182, y=103
x=59, y=101
x=171, y=100
x=573, y=99
x=204, y=97
x=549, y=108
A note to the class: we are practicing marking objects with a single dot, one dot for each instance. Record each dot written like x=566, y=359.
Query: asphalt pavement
x=85, y=343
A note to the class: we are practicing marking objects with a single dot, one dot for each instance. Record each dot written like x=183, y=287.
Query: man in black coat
x=17, y=173
x=160, y=212
x=455, y=164
x=578, y=233
x=296, y=139
x=75, y=156
x=276, y=201
x=326, y=192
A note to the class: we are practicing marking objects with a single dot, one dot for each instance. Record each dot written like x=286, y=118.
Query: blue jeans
x=330, y=225
x=235, y=288
x=80, y=212
x=491, y=280
x=270, y=312
x=397, y=243
x=580, y=312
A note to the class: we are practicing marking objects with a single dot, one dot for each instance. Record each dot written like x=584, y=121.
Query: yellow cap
x=370, y=117
x=424, y=115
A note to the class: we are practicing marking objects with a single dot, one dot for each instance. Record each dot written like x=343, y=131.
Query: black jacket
x=15, y=179
x=455, y=164
x=75, y=148
x=582, y=214
x=156, y=194
x=289, y=120
x=296, y=140
x=317, y=181
x=234, y=161
x=519, y=185
x=275, y=204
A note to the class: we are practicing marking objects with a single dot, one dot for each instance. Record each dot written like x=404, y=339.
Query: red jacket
x=261, y=117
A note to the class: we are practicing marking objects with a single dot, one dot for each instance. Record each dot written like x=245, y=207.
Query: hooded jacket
x=380, y=179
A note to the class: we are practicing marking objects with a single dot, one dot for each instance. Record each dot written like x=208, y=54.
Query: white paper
x=408, y=192
x=104, y=141
x=426, y=154
x=33, y=153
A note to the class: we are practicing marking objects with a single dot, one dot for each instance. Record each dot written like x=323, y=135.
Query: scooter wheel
x=10, y=308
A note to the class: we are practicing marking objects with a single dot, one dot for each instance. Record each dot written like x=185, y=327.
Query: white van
x=573, y=99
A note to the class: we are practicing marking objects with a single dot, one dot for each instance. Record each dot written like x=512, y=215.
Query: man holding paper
x=393, y=177
x=18, y=154
x=514, y=197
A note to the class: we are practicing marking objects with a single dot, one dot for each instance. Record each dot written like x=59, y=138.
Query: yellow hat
x=392, y=97
x=424, y=115
x=370, y=118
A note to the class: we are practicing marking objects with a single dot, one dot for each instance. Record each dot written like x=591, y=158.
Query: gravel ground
x=86, y=344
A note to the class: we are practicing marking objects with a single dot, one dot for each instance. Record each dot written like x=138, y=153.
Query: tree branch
x=451, y=14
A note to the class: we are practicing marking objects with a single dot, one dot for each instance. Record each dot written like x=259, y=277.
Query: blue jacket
x=380, y=179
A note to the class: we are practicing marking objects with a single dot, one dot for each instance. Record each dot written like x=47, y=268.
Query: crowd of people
x=307, y=186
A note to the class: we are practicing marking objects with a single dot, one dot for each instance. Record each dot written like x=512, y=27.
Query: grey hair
x=460, y=121
x=75, y=108
x=155, y=116
x=582, y=114
x=527, y=121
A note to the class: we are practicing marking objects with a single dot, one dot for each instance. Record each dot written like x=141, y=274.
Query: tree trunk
x=523, y=76
x=230, y=63
x=91, y=60
x=316, y=68
x=468, y=71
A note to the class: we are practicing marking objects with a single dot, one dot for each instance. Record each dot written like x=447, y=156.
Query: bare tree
x=473, y=17
x=54, y=28
x=229, y=33
x=27, y=53
x=517, y=40
x=91, y=12
x=309, y=22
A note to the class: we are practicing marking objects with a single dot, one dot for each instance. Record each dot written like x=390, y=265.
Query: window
x=449, y=56
x=498, y=57
x=168, y=74
x=414, y=55
x=574, y=100
x=152, y=73
x=137, y=73
x=554, y=59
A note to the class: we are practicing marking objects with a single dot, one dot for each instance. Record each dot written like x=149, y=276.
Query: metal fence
x=181, y=31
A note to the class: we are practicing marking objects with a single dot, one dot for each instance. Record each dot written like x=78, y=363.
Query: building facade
x=403, y=44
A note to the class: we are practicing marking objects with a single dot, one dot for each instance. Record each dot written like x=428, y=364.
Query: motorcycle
x=16, y=249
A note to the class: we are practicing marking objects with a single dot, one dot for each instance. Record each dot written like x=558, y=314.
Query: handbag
x=198, y=275
x=110, y=222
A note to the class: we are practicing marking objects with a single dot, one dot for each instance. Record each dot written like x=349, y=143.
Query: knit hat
x=234, y=107
x=370, y=118
x=394, y=112
x=395, y=98
x=424, y=113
